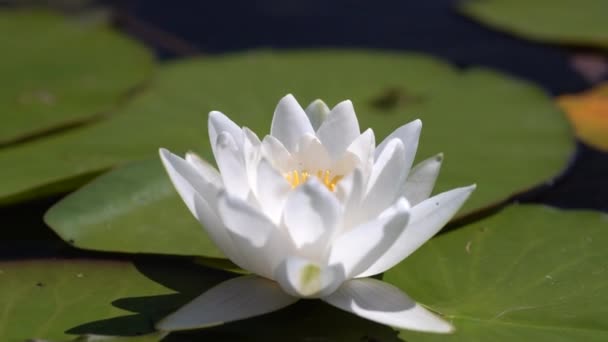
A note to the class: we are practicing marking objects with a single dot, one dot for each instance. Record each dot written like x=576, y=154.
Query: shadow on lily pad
x=187, y=280
x=305, y=321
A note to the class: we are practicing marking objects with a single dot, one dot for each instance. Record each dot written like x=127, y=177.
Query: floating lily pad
x=59, y=299
x=117, y=301
x=576, y=22
x=529, y=273
x=144, y=212
x=58, y=72
x=502, y=133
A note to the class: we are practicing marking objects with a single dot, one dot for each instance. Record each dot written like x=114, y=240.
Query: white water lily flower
x=311, y=210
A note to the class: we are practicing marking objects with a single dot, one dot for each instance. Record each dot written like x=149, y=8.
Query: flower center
x=295, y=178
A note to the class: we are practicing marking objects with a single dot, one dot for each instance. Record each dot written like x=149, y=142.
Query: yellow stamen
x=296, y=178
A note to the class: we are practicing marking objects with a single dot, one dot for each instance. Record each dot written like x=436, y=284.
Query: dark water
x=432, y=27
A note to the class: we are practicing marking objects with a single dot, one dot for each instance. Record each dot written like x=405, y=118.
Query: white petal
x=218, y=123
x=244, y=220
x=340, y=129
x=250, y=135
x=187, y=180
x=205, y=170
x=420, y=182
x=274, y=151
x=427, y=218
x=312, y=155
x=290, y=122
x=317, y=112
x=257, y=239
x=383, y=303
x=272, y=190
x=251, y=155
x=230, y=161
x=215, y=228
x=409, y=135
x=359, y=154
x=363, y=146
x=311, y=215
x=385, y=181
x=304, y=278
x=232, y=300
x=345, y=165
x=360, y=247
x=350, y=189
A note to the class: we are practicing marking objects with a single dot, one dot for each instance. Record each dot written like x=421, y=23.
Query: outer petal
x=255, y=237
x=317, y=112
x=340, y=129
x=205, y=170
x=420, y=182
x=409, y=135
x=290, y=122
x=385, y=180
x=218, y=123
x=360, y=247
x=304, y=278
x=230, y=161
x=383, y=303
x=187, y=180
x=251, y=156
x=232, y=300
x=244, y=220
x=312, y=214
x=207, y=216
x=427, y=218
x=272, y=190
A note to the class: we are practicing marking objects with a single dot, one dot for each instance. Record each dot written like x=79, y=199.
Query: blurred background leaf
x=573, y=22
x=58, y=73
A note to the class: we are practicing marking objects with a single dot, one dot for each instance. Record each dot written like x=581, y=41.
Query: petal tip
x=166, y=156
x=444, y=328
x=318, y=103
x=214, y=115
x=402, y=204
x=288, y=97
x=346, y=102
x=439, y=157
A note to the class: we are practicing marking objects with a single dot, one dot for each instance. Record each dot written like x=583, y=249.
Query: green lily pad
x=118, y=301
x=62, y=299
x=58, y=72
x=502, y=133
x=575, y=22
x=529, y=273
x=160, y=222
